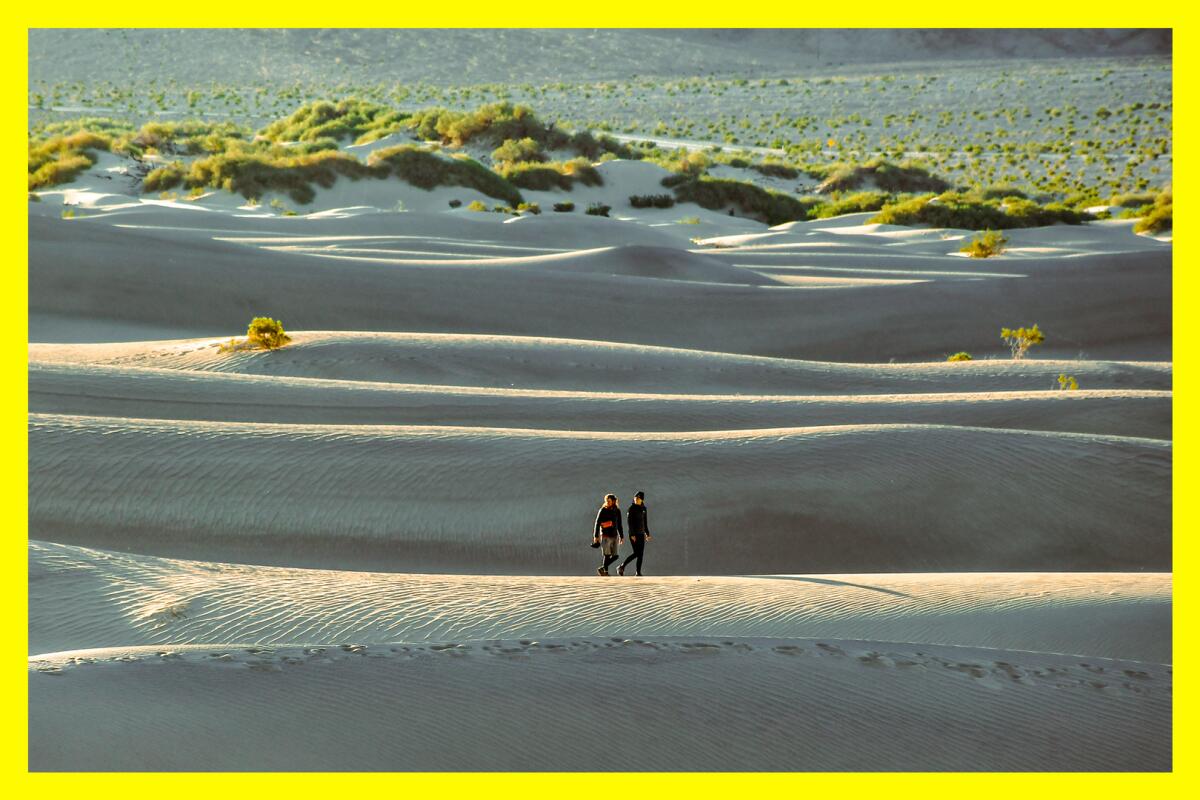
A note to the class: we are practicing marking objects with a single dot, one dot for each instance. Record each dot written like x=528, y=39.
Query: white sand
x=867, y=558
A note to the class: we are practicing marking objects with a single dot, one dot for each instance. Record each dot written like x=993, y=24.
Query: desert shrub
x=1019, y=340
x=168, y=176
x=564, y=207
x=678, y=179
x=352, y=117
x=856, y=203
x=253, y=174
x=715, y=194
x=515, y=151
x=267, y=333
x=68, y=213
x=651, y=200
x=957, y=210
x=774, y=170
x=598, y=210
x=532, y=208
x=1159, y=218
x=1068, y=383
x=904, y=177
x=689, y=221
x=1132, y=200
x=1001, y=192
x=34, y=197
x=475, y=205
x=492, y=122
x=960, y=356
x=985, y=245
x=455, y=203
x=545, y=177
x=426, y=169
x=61, y=158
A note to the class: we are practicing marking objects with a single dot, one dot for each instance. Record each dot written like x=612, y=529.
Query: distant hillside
x=463, y=56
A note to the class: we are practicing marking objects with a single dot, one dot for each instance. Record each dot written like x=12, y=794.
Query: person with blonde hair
x=608, y=532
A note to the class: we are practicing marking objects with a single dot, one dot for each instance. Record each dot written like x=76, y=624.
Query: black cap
x=641, y=495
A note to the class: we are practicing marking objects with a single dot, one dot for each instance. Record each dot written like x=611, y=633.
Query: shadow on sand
x=830, y=583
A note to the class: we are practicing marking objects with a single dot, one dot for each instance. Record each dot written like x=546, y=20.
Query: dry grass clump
x=985, y=245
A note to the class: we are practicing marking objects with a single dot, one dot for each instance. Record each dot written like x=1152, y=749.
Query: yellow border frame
x=665, y=13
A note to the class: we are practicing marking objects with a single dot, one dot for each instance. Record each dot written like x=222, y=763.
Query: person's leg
x=610, y=559
x=638, y=551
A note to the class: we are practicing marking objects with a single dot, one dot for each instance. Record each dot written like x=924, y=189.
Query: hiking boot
x=621, y=570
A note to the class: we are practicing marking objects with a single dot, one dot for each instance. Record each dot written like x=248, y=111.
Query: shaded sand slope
x=834, y=499
x=115, y=391
x=1112, y=306
x=549, y=363
x=698, y=703
x=83, y=598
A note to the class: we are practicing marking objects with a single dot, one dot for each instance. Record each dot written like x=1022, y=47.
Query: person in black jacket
x=639, y=533
x=608, y=531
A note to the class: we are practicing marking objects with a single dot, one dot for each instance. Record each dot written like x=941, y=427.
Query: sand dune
x=82, y=598
x=697, y=703
x=148, y=392
x=1104, y=305
x=597, y=366
x=825, y=499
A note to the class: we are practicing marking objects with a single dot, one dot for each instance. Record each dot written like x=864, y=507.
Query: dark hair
x=607, y=496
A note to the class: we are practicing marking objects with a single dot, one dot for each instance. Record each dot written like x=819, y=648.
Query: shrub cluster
x=651, y=200
x=551, y=175
x=563, y=207
x=1159, y=217
x=61, y=158
x=351, y=117
x=903, y=177
x=715, y=194
x=985, y=245
x=972, y=212
x=598, y=210
x=426, y=169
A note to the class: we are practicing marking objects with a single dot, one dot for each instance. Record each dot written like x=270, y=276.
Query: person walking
x=608, y=531
x=639, y=533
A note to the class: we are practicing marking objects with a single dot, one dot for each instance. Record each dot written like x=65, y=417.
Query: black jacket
x=612, y=515
x=637, y=520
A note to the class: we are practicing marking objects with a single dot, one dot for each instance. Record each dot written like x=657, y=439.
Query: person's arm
x=646, y=521
x=620, y=528
x=596, y=532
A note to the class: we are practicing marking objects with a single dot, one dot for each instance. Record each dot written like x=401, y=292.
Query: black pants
x=638, y=542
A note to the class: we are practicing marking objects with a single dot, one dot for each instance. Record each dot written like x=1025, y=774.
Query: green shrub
x=1159, y=218
x=515, y=151
x=598, y=210
x=267, y=333
x=475, y=205
x=716, y=194
x=168, y=176
x=1068, y=383
x=960, y=356
x=689, y=221
x=545, y=177
x=774, y=170
x=985, y=245
x=532, y=208
x=563, y=207
x=363, y=120
x=60, y=159
x=253, y=174
x=1019, y=340
x=857, y=203
x=651, y=200
x=904, y=177
x=957, y=210
x=426, y=169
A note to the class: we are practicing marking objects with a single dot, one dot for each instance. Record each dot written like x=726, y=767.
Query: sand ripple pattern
x=833, y=499
x=85, y=598
x=695, y=703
